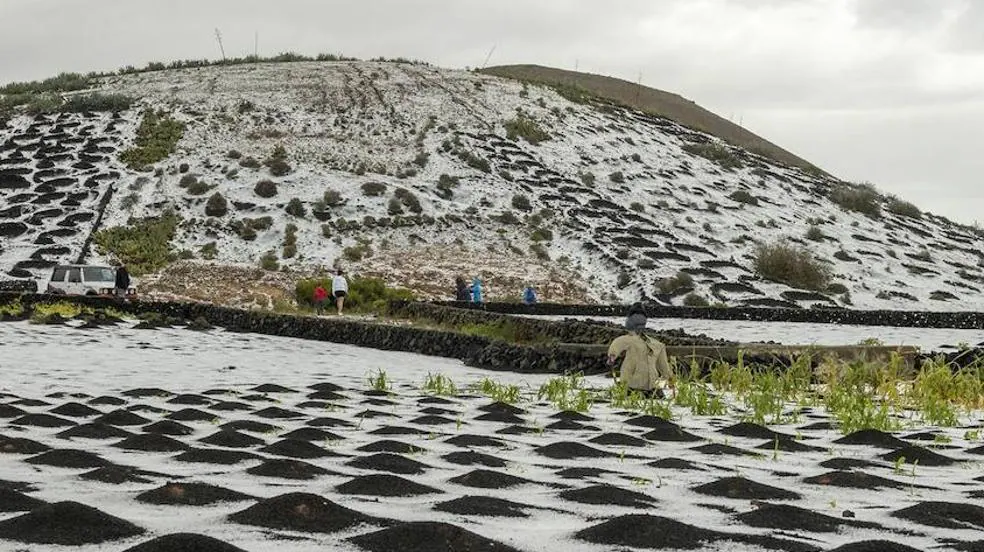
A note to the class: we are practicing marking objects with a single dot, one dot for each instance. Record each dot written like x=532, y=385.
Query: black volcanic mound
x=14, y=501
x=312, y=434
x=744, y=489
x=468, y=441
x=794, y=518
x=608, y=495
x=19, y=445
x=571, y=425
x=231, y=439
x=277, y=413
x=518, y=430
x=143, y=392
x=325, y=386
x=122, y=418
x=94, y=430
x=582, y=473
x=184, y=542
x=566, y=450
x=753, y=431
x=650, y=422
x=397, y=430
x=329, y=422
x=873, y=438
x=287, y=469
x=657, y=533
x=572, y=416
x=384, y=485
x=949, y=515
x=251, y=426
x=190, y=399
x=10, y=411
x=301, y=512
x=190, y=494
x=501, y=407
x=42, y=420
x=168, y=427
x=855, y=480
x=432, y=420
x=69, y=458
x=671, y=433
x=500, y=417
x=192, y=415
x=389, y=445
x=846, y=464
x=490, y=479
x=151, y=442
x=75, y=410
x=296, y=448
x=787, y=444
x=874, y=546
x=470, y=457
x=719, y=449
x=483, y=506
x=914, y=454
x=118, y=475
x=271, y=388
x=67, y=523
x=618, y=440
x=327, y=396
x=675, y=464
x=106, y=400
x=388, y=462
x=215, y=456
x=231, y=406
x=428, y=536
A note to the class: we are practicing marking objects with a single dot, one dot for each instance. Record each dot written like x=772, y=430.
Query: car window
x=98, y=274
x=58, y=275
x=75, y=275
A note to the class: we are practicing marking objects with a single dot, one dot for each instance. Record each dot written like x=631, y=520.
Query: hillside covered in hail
x=417, y=174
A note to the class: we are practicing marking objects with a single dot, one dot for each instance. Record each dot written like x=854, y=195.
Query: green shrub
x=64, y=82
x=904, y=209
x=199, y=187
x=525, y=128
x=144, y=245
x=394, y=207
x=646, y=263
x=332, y=198
x=681, y=280
x=409, y=200
x=234, y=154
x=446, y=185
x=617, y=177
x=588, y=179
x=373, y=189
x=357, y=252
x=364, y=294
x=278, y=167
x=716, y=153
x=209, y=251
x=265, y=188
x=540, y=252
x=521, y=202
x=837, y=288
x=421, y=159
x=792, y=265
x=637, y=207
x=290, y=241
x=157, y=138
x=97, y=102
x=741, y=196
x=860, y=198
x=814, y=233
x=250, y=163
x=695, y=300
x=216, y=206
x=295, y=208
x=269, y=261
x=507, y=217
x=541, y=234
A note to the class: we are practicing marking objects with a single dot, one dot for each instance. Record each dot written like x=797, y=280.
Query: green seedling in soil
x=972, y=435
x=441, y=385
x=832, y=504
x=621, y=456
x=457, y=423
x=14, y=308
x=942, y=439
x=380, y=382
x=899, y=463
x=641, y=482
x=498, y=392
x=655, y=407
x=775, y=451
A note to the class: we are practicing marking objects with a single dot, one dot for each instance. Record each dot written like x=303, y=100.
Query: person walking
x=645, y=367
x=122, y=284
x=320, y=296
x=461, y=291
x=529, y=295
x=339, y=289
x=476, y=290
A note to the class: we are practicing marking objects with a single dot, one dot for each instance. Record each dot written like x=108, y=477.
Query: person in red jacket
x=320, y=296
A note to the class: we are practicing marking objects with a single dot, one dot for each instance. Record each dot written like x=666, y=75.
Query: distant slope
x=651, y=100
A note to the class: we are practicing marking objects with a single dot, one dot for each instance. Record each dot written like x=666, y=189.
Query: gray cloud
x=880, y=90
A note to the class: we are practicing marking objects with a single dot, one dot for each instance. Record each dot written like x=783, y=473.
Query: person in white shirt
x=339, y=288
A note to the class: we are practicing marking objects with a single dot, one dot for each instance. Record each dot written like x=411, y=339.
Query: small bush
x=446, y=185
x=695, y=300
x=332, y=198
x=278, y=167
x=540, y=252
x=364, y=295
x=588, y=179
x=862, y=199
x=814, y=233
x=409, y=200
x=792, y=265
x=250, y=163
x=234, y=154
x=144, y=245
x=394, y=207
x=157, y=138
x=525, y=128
x=541, y=234
x=637, y=207
x=617, y=177
x=187, y=180
x=269, y=261
x=741, y=196
x=373, y=189
x=290, y=241
x=681, y=280
x=216, y=205
x=199, y=187
x=507, y=217
x=265, y=188
x=522, y=203
x=129, y=202
x=295, y=208
x=837, y=288
x=646, y=263
x=209, y=251
x=421, y=159
x=623, y=280
x=356, y=253
x=716, y=153
x=904, y=209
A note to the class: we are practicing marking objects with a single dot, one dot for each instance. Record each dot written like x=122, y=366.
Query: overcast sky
x=886, y=91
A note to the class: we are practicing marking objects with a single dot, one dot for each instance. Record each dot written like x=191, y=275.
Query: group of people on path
x=473, y=293
x=339, y=290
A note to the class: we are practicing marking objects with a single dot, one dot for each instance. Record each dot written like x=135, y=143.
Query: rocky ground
x=121, y=439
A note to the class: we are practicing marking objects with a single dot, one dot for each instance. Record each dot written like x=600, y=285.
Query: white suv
x=84, y=280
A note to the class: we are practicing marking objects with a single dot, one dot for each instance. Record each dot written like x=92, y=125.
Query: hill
x=649, y=100
x=416, y=174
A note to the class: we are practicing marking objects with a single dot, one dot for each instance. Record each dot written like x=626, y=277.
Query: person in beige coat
x=645, y=367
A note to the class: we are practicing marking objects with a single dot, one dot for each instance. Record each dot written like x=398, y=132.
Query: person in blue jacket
x=529, y=295
x=476, y=290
